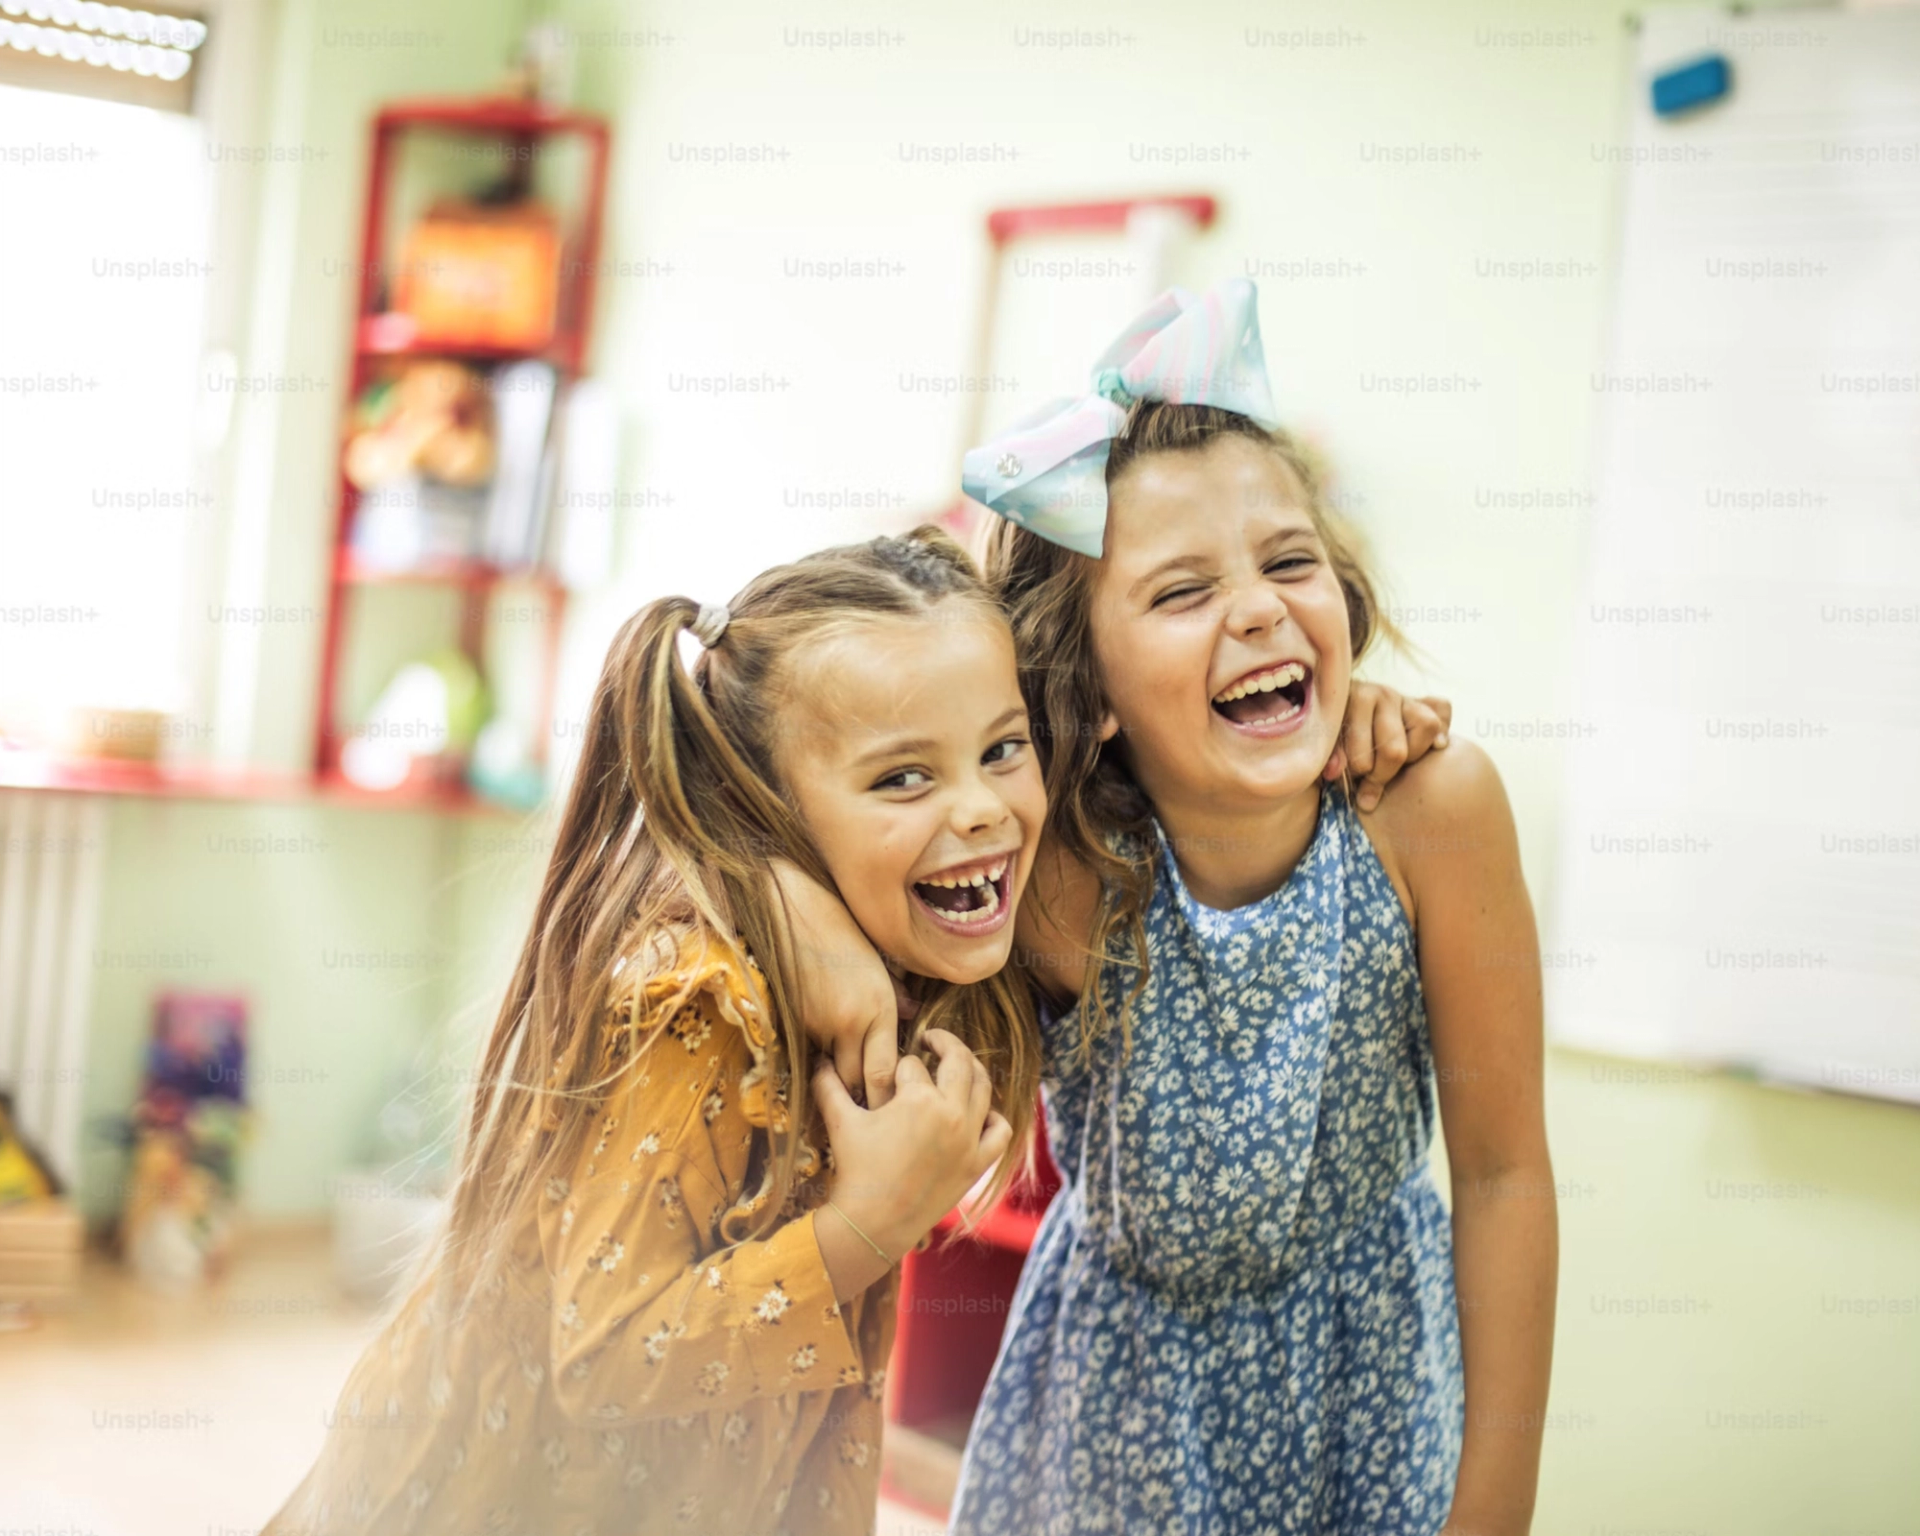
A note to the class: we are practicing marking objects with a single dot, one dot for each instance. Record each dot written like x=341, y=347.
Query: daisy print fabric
x=1238, y=1315
x=645, y=1366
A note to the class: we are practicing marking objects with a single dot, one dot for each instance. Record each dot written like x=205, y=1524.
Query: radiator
x=52, y=851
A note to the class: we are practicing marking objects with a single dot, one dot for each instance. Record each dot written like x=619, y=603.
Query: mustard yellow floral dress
x=640, y=1368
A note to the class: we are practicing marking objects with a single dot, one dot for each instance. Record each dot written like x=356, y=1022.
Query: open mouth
x=971, y=898
x=1273, y=696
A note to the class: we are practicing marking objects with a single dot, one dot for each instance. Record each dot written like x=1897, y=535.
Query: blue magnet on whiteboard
x=1692, y=85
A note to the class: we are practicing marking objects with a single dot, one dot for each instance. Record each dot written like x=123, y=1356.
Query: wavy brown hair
x=1097, y=813
x=676, y=808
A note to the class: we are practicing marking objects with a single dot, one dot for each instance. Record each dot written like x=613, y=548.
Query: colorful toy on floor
x=184, y=1138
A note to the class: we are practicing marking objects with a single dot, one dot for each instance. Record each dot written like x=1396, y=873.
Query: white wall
x=1290, y=138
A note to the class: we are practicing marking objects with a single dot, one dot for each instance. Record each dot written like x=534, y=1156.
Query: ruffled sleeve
x=660, y=1307
x=711, y=986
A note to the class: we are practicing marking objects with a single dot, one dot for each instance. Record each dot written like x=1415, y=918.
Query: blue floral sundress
x=1238, y=1315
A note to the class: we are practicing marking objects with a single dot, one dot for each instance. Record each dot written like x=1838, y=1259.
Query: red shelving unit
x=382, y=336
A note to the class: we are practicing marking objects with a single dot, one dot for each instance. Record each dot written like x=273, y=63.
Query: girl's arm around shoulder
x=1446, y=837
x=1383, y=732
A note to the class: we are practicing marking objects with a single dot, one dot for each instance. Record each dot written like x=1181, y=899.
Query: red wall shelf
x=381, y=336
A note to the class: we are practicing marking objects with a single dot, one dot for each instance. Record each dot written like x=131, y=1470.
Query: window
x=106, y=514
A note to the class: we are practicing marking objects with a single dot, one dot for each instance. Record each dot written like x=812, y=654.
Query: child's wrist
x=853, y=1260
x=880, y=1218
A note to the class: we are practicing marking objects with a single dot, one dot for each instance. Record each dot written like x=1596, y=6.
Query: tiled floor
x=137, y=1415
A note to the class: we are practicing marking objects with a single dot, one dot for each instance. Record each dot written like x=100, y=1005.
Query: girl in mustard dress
x=665, y=1299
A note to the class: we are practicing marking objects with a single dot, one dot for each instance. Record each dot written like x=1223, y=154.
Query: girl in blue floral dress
x=1248, y=1310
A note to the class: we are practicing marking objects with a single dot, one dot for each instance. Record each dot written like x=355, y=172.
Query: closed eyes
x=1284, y=565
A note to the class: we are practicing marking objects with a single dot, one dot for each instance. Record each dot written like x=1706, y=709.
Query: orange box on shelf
x=481, y=277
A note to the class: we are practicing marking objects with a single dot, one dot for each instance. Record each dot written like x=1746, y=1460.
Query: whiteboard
x=1739, y=879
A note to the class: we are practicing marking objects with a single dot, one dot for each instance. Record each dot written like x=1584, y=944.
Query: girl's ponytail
x=711, y=810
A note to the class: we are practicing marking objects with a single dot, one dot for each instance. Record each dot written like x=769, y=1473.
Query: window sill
x=195, y=781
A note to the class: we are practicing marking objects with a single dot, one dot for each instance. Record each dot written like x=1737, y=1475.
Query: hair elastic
x=710, y=623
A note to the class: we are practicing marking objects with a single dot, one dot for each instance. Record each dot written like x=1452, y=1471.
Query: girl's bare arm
x=1448, y=836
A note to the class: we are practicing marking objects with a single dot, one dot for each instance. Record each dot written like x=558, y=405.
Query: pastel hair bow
x=1048, y=472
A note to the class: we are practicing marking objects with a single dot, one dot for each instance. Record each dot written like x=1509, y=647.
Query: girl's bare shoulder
x=1441, y=817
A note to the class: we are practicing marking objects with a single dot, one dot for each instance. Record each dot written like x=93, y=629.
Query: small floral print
x=774, y=1305
x=558, y=1188
x=571, y=1319
x=691, y=1029
x=607, y=1254
x=656, y=1344
x=803, y=1359
x=496, y=1416
x=712, y=1377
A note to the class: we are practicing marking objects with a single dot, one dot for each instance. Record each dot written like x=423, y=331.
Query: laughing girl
x=666, y=1301
x=1248, y=1310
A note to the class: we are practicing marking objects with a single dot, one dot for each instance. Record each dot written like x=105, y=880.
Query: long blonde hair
x=1096, y=813
x=676, y=808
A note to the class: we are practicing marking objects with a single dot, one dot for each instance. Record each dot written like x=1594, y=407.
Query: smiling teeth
x=1263, y=682
x=978, y=914
x=985, y=877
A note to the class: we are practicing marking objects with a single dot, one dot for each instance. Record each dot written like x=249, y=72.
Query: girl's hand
x=899, y=1169
x=850, y=1004
x=1385, y=731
